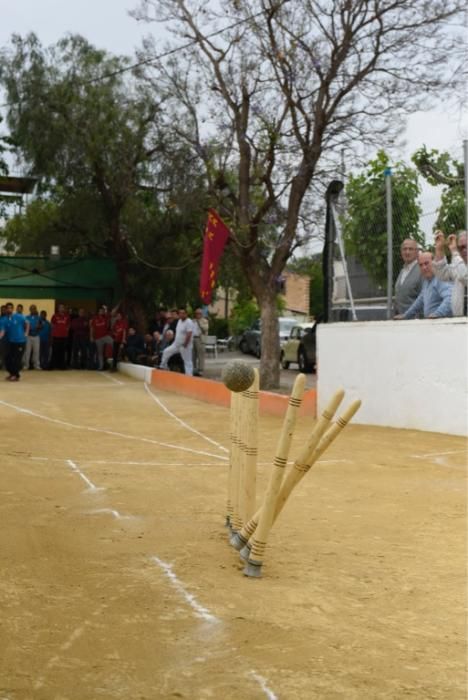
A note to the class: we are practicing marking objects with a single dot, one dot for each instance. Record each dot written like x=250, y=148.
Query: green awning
x=64, y=278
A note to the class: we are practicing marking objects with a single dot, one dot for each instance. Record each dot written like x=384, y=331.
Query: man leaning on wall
x=434, y=299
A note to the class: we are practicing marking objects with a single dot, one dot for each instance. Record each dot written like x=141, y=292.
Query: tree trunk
x=269, y=362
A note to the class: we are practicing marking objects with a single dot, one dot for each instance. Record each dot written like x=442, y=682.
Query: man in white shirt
x=456, y=271
x=409, y=281
x=183, y=343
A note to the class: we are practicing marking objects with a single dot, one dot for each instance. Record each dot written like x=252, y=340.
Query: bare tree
x=268, y=93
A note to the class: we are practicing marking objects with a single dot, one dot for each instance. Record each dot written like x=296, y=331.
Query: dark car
x=301, y=347
x=251, y=339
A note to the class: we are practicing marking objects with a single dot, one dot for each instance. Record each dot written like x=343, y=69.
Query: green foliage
x=243, y=315
x=439, y=168
x=219, y=327
x=112, y=183
x=365, y=222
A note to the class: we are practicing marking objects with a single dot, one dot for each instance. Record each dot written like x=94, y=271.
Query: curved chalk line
x=182, y=422
x=104, y=431
x=111, y=379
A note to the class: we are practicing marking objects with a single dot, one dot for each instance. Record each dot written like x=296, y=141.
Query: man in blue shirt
x=15, y=329
x=3, y=340
x=434, y=299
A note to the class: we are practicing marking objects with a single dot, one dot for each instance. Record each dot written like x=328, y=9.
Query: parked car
x=301, y=347
x=251, y=339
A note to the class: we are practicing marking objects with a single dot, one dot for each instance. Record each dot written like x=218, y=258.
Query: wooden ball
x=238, y=375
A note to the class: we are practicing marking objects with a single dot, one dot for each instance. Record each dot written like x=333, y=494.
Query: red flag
x=216, y=236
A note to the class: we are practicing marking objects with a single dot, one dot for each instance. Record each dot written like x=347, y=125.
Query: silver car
x=300, y=349
x=251, y=340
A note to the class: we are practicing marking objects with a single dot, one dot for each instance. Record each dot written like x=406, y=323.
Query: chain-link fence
x=367, y=243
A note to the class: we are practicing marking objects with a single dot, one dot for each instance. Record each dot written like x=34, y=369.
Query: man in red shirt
x=99, y=334
x=60, y=323
x=119, y=335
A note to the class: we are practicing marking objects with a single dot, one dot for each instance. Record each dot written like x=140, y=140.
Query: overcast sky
x=106, y=24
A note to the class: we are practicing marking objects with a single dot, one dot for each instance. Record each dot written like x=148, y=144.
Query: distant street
x=214, y=367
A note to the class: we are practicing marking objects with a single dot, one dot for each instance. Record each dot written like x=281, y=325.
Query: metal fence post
x=465, y=151
x=388, y=196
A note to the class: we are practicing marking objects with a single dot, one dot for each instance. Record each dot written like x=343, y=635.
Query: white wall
x=136, y=371
x=409, y=374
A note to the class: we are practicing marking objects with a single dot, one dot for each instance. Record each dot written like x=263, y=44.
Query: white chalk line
x=200, y=611
x=76, y=634
x=75, y=468
x=182, y=422
x=111, y=379
x=439, y=454
x=111, y=511
x=75, y=385
x=263, y=684
x=131, y=463
x=114, y=433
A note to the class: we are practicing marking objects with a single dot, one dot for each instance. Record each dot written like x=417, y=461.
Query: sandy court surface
x=117, y=580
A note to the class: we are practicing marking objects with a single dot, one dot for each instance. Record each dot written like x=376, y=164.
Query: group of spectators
x=429, y=286
x=74, y=339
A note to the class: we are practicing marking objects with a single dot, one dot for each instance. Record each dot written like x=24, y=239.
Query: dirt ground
x=117, y=580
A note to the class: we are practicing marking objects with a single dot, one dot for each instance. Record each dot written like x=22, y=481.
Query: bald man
x=434, y=299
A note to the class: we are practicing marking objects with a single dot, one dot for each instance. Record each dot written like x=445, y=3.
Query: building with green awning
x=72, y=281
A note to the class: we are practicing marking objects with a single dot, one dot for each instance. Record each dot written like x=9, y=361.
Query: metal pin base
x=253, y=569
x=245, y=553
x=237, y=541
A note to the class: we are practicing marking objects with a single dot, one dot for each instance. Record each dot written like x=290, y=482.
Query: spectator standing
x=434, y=299
x=99, y=334
x=3, y=340
x=182, y=344
x=173, y=319
x=80, y=340
x=44, y=338
x=60, y=323
x=15, y=328
x=158, y=322
x=135, y=345
x=456, y=271
x=409, y=281
x=200, y=329
x=33, y=341
x=119, y=337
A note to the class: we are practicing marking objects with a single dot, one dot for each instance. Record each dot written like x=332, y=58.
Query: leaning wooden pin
x=250, y=536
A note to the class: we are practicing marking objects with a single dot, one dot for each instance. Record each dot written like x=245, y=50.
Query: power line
x=169, y=52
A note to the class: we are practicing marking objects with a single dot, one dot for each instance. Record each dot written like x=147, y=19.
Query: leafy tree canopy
x=273, y=91
x=111, y=182
x=439, y=168
x=365, y=221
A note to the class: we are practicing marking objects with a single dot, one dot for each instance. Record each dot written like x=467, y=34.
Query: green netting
x=48, y=278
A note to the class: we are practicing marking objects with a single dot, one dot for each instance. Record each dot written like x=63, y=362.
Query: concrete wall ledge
x=214, y=392
x=409, y=374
